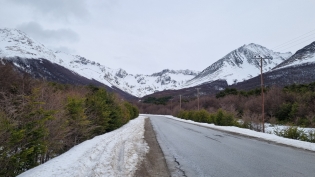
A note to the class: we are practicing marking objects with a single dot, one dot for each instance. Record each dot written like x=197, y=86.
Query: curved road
x=193, y=151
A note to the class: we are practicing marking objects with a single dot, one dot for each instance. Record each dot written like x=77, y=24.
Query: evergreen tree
x=77, y=119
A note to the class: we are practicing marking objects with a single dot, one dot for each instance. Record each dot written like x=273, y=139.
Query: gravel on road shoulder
x=154, y=164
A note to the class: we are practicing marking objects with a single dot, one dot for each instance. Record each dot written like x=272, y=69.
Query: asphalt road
x=195, y=151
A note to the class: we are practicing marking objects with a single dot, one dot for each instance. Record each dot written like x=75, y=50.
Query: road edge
x=154, y=163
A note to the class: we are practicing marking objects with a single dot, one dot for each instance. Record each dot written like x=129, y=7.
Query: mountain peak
x=259, y=48
x=238, y=65
x=256, y=48
x=254, y=45
x=14, y=34
x=15, y=43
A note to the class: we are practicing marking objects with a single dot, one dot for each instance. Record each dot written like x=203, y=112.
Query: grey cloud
x=35, y=30
x=57, y=9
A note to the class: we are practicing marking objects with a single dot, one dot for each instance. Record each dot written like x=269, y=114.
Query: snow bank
x=116, y=153
x=251, y=133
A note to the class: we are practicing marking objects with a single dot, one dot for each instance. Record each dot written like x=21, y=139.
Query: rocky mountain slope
x=298, y=69
x=306, y=55
x=239, y=65
x=281, y=77
x=16, y=44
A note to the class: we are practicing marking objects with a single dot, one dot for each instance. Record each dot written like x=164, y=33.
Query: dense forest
x=40, y=120
x=290, y=105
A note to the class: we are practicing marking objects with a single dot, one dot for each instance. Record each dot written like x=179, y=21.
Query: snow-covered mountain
x=235, y=67
x=15, y=43
x=239, y=65
x=141, y=85
x=306, y=55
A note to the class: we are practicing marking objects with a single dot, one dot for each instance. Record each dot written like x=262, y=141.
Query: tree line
x=291, y=105
x=40, y=120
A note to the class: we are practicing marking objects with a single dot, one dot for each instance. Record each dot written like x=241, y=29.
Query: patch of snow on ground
x=252, y=133
x=116, y=153
x=269, y=128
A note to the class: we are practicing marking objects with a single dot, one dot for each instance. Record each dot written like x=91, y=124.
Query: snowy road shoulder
x=116, y=153
x=251, y=133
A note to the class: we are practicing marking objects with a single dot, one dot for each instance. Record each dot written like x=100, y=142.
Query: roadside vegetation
x=220, y=117
x=292, y=105
x=40, y=120
x=294, y=132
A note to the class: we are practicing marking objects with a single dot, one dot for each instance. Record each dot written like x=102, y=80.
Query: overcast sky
x=146, y=36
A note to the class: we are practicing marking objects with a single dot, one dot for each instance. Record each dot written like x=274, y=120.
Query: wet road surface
x=193, y=150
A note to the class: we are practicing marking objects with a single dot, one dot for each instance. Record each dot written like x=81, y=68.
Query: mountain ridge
x=239, y=65
x=304, y=55
x=236, y=67
x=15, y=43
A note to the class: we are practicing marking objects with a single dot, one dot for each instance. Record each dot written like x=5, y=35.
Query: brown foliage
x=249, y=107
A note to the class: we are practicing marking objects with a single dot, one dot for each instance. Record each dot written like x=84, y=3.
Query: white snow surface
x=15, y=43
x=251, y=133
x=113, y=154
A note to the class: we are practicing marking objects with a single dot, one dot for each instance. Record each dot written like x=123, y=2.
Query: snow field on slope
x=116, y=153
x=229, y=73
x=251, y=133
x=150, y=83
x=14, y=43
x=308, y=60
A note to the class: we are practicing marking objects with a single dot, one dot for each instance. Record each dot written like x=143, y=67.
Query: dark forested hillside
x=205, y=89
x=40, y=120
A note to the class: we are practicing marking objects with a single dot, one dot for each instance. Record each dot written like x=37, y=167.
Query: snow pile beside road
x=116, y=153
x=251, y=133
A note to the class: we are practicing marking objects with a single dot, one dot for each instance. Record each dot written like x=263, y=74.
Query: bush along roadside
x=220, y=117
x=294, y=132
